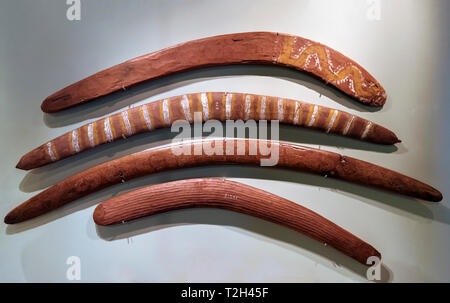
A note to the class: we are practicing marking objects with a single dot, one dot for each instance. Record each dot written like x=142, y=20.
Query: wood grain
x=234, y=196
x=233, y=151
x=216, y=105
x=241, y=48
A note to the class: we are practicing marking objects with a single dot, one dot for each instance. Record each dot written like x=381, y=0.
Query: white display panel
x=403, y=44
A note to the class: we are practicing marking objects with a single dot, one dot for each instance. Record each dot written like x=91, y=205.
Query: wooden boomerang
x=242, y=48
x=234, y=196
x=225, y=151
x=213, y=105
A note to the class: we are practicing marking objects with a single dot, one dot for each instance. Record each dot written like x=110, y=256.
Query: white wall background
x=406, y=50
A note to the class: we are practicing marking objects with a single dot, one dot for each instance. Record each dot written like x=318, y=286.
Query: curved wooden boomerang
x=219, y=106
x=234, y=196
x=242, y=48
x=234, y=151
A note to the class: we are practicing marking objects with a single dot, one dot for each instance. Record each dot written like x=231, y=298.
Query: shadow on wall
x=110, y=103
x=48, y=175
x=413, y=208
x=395, y=203
x=251, y=226
x=43, y=177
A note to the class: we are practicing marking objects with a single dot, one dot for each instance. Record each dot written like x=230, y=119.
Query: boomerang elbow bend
x=291, y=156
x=242, y=48
x=219, y=106
x=237, y=197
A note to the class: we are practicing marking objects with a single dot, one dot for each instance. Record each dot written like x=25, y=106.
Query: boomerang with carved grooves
x=242, y=48
x=234, y=196
x=219, y=152
x=218, y=106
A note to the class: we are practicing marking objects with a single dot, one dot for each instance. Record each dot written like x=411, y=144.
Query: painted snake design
x=242, y=48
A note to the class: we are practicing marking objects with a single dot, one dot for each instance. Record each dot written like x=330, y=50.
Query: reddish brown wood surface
x=234, y=196
x=242, y=48
x=292, y=156
x=213, y=105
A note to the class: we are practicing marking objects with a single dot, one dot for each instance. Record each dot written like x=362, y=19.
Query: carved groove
x=234, y=196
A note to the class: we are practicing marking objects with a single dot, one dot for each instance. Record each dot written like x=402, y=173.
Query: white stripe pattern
x=146, y=117
x=75, y=144
x=228, y=99
x=91, y=134
x=205, y=107
x=127, y=123
x=313, y=116
x=262, y=114
x=186, y=109
x=247, y=107
x=108, y=131
x=50, y=151
x=297, y=112
x=347, y=127
x=280, y=110
x=366, y=130
x=333, y=119
x=166, y=114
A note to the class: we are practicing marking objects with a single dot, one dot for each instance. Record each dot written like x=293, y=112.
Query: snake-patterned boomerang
x=191, y=153
x=212, y=105
x=241, y=48
x=234, y=196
